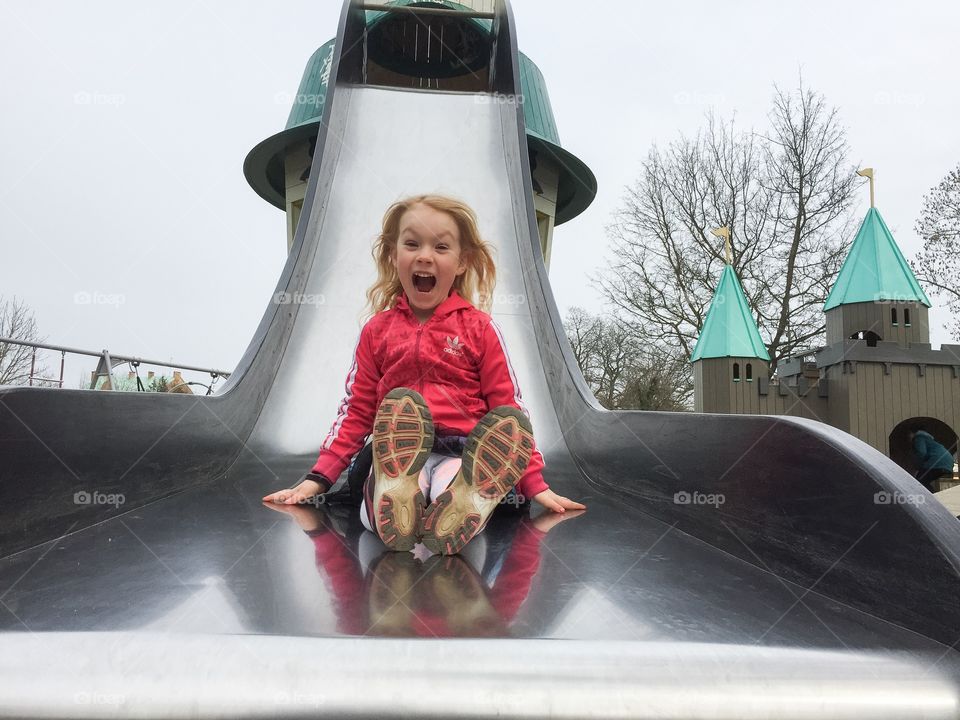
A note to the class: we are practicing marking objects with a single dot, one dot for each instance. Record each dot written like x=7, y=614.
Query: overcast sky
x=126, y=222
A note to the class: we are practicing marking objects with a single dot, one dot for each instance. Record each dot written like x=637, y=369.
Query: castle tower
x=876, y=296
x=729, y=357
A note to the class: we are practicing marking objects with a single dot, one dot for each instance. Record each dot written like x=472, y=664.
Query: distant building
x=877, y=377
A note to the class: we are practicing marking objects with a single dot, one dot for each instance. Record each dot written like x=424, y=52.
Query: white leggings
x=437, y=473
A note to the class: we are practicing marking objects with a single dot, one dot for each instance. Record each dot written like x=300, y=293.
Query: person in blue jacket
x=933, y=459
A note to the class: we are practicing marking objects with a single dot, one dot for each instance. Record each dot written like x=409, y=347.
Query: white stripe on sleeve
x=513, y=376
x=344, y=408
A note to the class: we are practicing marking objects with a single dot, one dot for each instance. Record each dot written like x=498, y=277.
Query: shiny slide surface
x=726, y=564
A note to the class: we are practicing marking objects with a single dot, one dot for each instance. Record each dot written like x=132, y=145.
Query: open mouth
x=424, y=282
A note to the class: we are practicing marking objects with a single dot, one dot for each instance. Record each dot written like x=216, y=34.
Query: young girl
x=432, y=382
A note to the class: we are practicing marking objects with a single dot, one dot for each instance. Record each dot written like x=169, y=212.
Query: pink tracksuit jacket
x=458, y=362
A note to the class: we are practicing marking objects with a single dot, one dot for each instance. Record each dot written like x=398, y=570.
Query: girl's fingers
x=283, y=497
x=572, y=504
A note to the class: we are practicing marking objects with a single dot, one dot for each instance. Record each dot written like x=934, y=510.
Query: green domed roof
x=264, y=165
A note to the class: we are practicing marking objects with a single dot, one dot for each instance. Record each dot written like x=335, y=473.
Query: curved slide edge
x=270, y=676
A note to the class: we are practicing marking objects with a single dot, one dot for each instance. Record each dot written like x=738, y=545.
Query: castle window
x=906, y=317
x=893, y=316
x=749, y=372
x=736, y=372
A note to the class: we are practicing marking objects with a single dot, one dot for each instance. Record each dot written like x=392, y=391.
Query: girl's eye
x=442, y=247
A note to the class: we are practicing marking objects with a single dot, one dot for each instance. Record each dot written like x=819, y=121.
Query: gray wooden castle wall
x=879, y=396
x=845, y=320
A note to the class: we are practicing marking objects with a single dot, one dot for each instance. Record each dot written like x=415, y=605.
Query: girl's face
x=427, y=258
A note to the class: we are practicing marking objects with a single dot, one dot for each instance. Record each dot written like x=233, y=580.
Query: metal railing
x=106, y=364
x=421, y=10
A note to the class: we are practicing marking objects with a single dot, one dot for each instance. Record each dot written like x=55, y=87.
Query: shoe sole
x=495, y=457
x=402, y=441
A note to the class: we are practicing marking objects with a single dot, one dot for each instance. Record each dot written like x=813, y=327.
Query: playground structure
x=877, y=378
x=102, y=376
x=735, y=562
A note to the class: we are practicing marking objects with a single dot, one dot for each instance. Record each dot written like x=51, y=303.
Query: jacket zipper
x=417, y=354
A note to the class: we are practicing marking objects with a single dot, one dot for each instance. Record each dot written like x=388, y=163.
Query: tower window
x=736, y=372
x=893, y=316
x=749, y=372
x=906, y=317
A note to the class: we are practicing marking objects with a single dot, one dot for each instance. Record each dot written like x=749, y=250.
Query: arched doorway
x=900, y=450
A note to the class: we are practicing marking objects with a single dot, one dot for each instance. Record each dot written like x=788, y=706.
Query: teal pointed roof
x=729, y=330
x=875, y=269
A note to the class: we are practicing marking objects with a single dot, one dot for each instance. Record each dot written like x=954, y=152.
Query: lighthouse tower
x=430, y=50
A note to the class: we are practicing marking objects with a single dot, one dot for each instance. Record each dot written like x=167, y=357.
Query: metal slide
x=800, y=595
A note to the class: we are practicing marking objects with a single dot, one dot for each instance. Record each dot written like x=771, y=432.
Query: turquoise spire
x=729, y=330
x=875, y=269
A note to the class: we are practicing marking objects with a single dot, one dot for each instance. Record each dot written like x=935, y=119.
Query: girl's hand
x=292, y=496
x=557, y=503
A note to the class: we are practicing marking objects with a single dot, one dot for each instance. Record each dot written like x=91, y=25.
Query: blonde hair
x=475, y=284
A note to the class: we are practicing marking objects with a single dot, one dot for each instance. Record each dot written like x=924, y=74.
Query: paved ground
x=951, y=499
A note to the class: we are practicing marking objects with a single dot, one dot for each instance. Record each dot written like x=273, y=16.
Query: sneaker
x=402, y=441
x=495, y=457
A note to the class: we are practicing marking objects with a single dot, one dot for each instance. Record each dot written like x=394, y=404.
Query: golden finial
x=868, y=173
x=724, y=232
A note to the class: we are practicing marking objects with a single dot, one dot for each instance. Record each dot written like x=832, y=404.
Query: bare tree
x=661, y=380
x=623, y=371
x=17, y=323
x=938, y=264
x=786, y=194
